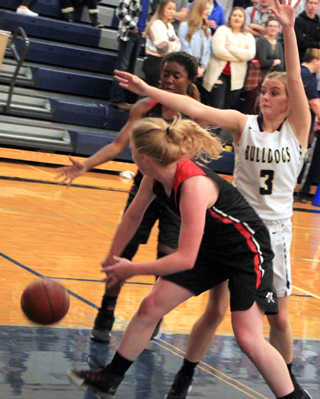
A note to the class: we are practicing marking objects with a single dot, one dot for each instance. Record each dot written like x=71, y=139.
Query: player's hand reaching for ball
x=131, y=82
x=118, y=273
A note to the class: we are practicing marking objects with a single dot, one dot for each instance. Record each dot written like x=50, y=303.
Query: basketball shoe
x=300, y=392
x=103, y=383
x=157, y=331
x=102, y=327
x=181, y=387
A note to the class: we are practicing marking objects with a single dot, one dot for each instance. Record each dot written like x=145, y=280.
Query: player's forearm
x=106, y=154
x=167, y=265
x=183, y=104
x=291, y=53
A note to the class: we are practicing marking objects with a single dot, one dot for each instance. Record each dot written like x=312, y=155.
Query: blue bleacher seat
x=63, y=55
x=51, y=29
x=225, y=164
x=92, y=115
x=49, y=8
x=71, y=82
x=89, y=143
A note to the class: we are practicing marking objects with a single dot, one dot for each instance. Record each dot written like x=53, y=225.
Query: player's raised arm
x=226, y=119
x=299, y=115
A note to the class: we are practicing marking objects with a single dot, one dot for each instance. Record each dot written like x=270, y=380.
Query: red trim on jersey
x=245, y=233
x=185, y=169
x=152, y=104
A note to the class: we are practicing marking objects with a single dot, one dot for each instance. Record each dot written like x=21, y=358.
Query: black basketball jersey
x=232, y=228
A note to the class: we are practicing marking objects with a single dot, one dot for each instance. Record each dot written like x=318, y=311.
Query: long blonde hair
x=168, y=143
x=195, y=20
x=158, y=13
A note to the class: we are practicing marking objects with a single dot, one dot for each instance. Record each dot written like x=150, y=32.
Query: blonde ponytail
x=167, y=143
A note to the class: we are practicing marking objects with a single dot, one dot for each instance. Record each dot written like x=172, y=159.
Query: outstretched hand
x=131, y=82
x=285, y=12
x=117, y=273
x=67, y=174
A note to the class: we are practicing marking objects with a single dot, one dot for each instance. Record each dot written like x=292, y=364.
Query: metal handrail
x=19, y=58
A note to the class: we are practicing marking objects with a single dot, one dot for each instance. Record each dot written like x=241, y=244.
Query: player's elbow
x=187, y=261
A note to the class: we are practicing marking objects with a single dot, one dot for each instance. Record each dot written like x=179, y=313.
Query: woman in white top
x=195, y=37
x=232, y=47
x=269, y=156
x=160, y=41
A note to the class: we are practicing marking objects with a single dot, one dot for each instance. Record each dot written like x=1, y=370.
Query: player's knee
x=245, y=342
x=214, y=316
x=147, y=308
x=280, y=322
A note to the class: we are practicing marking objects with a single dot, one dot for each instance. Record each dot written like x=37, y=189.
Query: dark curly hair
x=189, y=62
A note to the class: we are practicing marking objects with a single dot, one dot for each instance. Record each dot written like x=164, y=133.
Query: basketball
x=45, y=302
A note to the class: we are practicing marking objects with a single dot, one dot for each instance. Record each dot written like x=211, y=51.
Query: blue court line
x=80, y=279
x=306, y=210
x=41, y=276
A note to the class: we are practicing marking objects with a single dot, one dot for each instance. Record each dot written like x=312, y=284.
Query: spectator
x=180, y=13
x=311, y=173
x=307, y=27
x=269, y=58
x=269, y=51
x=67, y=9
x=24, y=8
x=194, y=34
x=257, y=16
x=216, y=16
x=232, y=47
x=161, y=40
x=132, y=15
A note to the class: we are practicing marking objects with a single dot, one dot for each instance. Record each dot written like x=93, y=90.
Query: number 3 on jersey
x=268, y=175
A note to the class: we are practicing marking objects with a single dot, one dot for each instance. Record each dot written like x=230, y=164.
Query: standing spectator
x=269, y=58
x=180, y=13
x=257, y=16
x=67, y=9
x=309, y=67
x=232, y=47
x=24, y=8
x=269, y=51
x=161, y=40
x=307, y=27
x=194, y=34
x=132, y=15
x=216, y=16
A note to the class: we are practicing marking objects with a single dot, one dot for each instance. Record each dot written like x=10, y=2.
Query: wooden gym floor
x=48, y=230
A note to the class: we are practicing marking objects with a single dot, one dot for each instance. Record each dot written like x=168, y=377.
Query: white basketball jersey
x=267, y=166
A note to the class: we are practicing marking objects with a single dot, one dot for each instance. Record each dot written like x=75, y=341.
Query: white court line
x=306, y=292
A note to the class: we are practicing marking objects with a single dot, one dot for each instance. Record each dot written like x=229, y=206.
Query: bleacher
x=61, y=91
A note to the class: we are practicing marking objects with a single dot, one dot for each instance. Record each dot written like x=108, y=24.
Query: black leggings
x=91, y=4
x=28, y=3
x=151, y=68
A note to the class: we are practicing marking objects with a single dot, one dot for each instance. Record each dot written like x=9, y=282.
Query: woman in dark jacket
x=269, y=50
